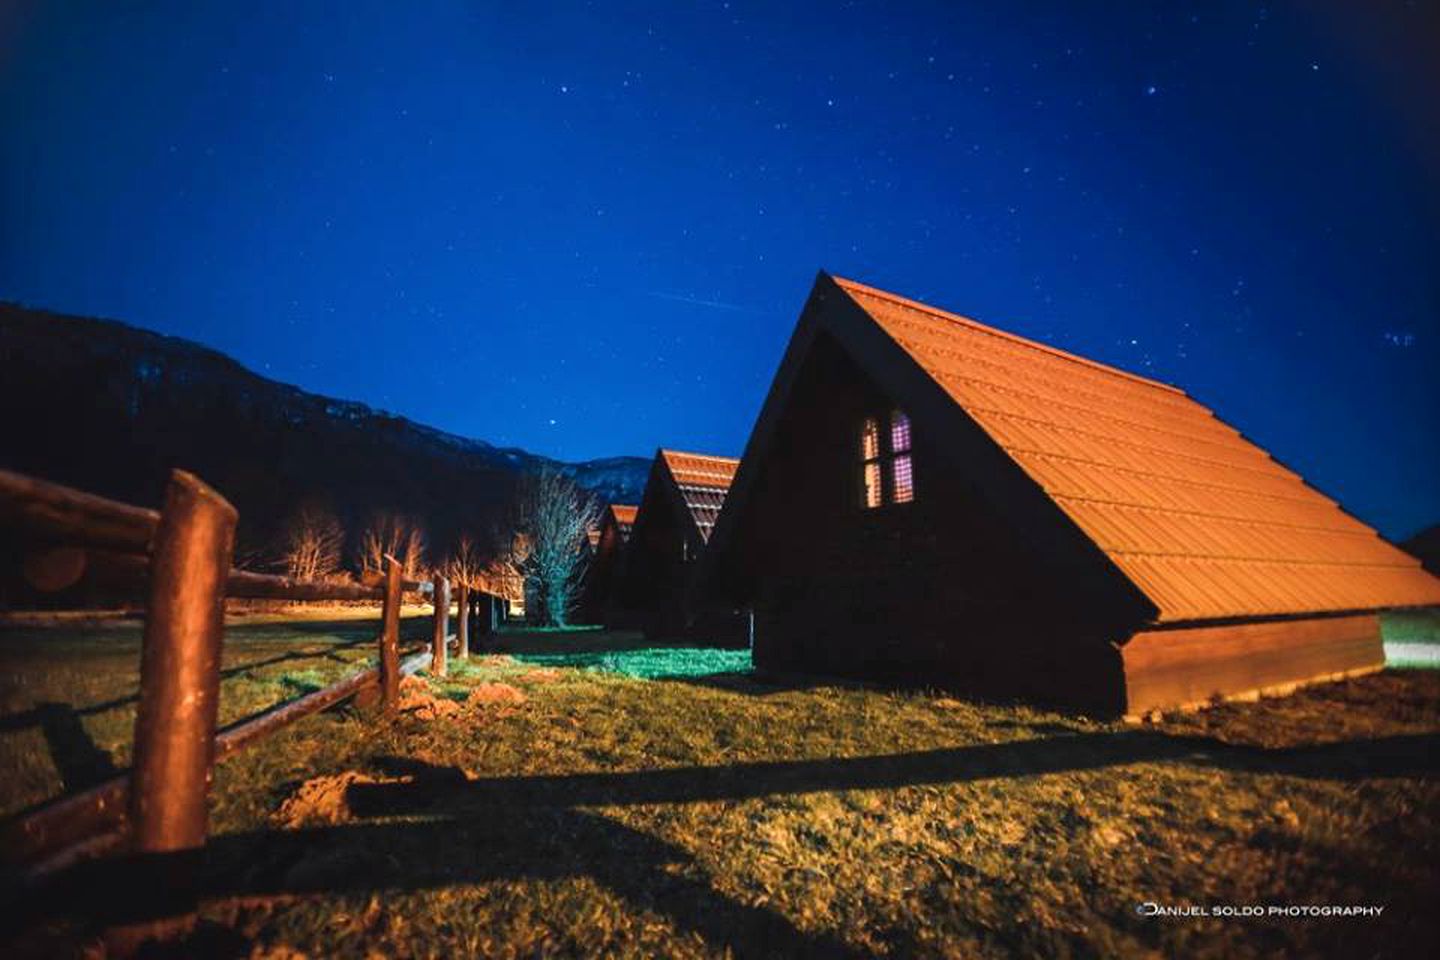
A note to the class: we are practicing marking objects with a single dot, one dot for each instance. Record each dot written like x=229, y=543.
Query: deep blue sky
x=588, y=231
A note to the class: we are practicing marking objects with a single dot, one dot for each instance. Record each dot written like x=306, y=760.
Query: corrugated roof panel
x=703, y=481
x=1203, y=521
x=624, y=516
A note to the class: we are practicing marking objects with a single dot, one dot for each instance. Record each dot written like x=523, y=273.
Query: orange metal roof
x=624, y=513
x=704, y=480
x=1200, y=519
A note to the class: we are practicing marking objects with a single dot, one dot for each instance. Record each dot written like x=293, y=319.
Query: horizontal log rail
x=118, y=538
x=60, y=514
x=47, y=837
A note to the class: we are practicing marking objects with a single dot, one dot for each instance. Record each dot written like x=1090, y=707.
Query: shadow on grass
x=510, y=844
x=537, y=827
x=77, y=758
x=754, y=683
x=452, y=794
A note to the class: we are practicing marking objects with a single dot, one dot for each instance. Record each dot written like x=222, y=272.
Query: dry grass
x=608, y=815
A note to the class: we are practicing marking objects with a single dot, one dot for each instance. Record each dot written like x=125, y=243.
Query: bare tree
x=400, y=537
x=464, y=564
x=551, y=515
x=313, y=543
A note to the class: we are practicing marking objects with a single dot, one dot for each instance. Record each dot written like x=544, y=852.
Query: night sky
x=589, y=231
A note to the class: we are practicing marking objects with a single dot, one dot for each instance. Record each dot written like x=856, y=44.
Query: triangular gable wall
x=1060, y=551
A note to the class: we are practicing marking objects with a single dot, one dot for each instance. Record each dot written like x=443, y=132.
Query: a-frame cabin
x=683, y=496
x=927, y=498
x=603, y=575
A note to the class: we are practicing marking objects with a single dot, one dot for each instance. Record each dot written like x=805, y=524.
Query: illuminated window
x=887, y=473
x=870, y=461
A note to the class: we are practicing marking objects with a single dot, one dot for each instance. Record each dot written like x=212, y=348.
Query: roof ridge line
x=1004, y=334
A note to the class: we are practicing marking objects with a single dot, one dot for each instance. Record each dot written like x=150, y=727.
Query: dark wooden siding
x=601, y=576
x=656, y=571
x=935, y=590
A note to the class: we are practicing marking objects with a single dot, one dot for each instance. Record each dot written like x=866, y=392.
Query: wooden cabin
x=926, y=498
x=600, y=603
x=683, y=496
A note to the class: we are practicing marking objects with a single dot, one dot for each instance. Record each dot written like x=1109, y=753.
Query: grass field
x=620, y=800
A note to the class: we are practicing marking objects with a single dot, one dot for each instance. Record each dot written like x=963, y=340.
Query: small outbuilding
x=683, y=496
x=928, y=498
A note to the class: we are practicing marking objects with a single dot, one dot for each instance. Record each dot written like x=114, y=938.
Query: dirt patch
x=321, y=800
x=417, y=700
x=276, y=952
x=539, y=675
x=487, y=694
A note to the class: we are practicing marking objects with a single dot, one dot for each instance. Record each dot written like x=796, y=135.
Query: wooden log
x=67, y=821
x=438, y=649
x=390, y=638
x=59, y=514
x=131, y=569
x=239, y=735
x=261, y=586
x=179, y=695
x=52, y=569
x=462, y=627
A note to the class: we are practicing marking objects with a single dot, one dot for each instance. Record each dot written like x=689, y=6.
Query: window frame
x=885, y=459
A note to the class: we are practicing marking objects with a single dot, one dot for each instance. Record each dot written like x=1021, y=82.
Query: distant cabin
x=599, y=603
x=929, y=498
x=683, y=497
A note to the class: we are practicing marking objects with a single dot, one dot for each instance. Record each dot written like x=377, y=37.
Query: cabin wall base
x=1188, y=668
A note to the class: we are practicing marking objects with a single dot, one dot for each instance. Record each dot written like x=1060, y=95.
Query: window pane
x=903, y=479
x=899, y=432
x=870, y=439
x=872, y=484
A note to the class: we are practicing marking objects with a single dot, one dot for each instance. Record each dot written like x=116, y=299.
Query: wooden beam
x=59, y=514
x=244, y=584
x=179, y=694
x=390, y=637
x=462, y=628
x=122, y=569
x=440, y=654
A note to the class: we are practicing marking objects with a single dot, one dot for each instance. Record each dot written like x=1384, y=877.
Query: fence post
x=462, y=626
x=390, y=637
x=439, y=654
x=179, y=696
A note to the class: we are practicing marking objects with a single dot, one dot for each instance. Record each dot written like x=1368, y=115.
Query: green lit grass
x=1412, y=639
x=650, y=663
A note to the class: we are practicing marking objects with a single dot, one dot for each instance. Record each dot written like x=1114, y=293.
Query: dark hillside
x=111, y=408
x=1426, y=546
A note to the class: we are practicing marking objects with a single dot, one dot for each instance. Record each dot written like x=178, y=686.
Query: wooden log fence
x=184, y=552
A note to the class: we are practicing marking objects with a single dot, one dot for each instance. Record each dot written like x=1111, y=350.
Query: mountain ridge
x=110, y=407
